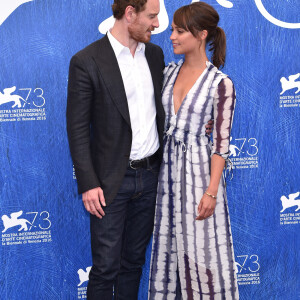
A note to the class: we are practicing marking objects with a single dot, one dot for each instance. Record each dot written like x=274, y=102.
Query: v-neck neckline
x=180, y=64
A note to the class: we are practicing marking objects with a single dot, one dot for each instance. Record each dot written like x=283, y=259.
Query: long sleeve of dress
x=224, y=104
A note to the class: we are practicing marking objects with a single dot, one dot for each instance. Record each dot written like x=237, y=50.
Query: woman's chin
x=176, y=51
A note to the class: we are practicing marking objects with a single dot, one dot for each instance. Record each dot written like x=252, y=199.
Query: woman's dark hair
x=119, y=7
x=200, y=16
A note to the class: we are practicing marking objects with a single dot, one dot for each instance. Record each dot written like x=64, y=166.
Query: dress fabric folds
x=195, y=257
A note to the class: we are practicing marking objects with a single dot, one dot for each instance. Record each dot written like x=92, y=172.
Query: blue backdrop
x=45, y=249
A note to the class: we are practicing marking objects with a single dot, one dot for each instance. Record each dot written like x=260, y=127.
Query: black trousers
x=119, y=240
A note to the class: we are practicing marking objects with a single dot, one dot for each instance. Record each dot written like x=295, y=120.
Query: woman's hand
x=206, y=207
x=209, y=127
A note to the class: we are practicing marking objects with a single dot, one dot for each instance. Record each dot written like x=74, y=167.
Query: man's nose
x=155, y=24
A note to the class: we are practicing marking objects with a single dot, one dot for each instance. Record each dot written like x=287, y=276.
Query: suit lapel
x=110, y=73
x=156, y=74
x=151, y=64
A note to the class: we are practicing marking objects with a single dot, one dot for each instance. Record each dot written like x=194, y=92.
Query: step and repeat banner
x=45, y=241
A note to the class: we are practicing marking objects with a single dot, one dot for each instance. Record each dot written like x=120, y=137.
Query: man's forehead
x=152, y=6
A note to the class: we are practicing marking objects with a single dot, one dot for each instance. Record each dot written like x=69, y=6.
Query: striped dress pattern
x=193, y=257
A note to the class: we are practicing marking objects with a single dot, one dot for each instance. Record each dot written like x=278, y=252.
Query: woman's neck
x=195, y=61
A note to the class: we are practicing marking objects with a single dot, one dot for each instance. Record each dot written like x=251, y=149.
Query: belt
x=144, y=162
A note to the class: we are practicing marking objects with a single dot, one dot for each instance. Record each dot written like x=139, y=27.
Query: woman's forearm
x=217, y=166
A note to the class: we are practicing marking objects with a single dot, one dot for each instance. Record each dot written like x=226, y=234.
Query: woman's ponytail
x=218, y=47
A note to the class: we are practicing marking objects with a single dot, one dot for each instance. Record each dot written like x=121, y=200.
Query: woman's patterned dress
x=195, y=256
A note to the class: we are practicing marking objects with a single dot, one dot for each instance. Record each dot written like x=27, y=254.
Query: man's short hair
x=119, y=7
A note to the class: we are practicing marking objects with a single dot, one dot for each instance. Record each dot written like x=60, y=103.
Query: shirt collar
x=118, y=47
x=140, y=47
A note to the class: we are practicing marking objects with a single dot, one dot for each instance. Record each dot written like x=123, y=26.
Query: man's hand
x=206, y=207
x=209, y=127
x=92, y=199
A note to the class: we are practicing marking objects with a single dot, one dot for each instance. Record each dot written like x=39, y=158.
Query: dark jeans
x=119, y=240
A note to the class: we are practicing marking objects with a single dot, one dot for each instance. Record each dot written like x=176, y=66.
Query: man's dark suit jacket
x=98, y=121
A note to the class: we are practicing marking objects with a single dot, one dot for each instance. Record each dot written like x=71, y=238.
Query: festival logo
x=8, y=7
x=12, y=221
x=234, y=150
x=83, y=275
x=27, y=104
x=264, y=12
x=273, y=20
x=164, y=19
x=244, y=153
x=28, y=228
x=289, y=214
x=291, y=201
x=224, y=3
x=247, y=268
x=7, y=97
x=290, y=89
x=83, y=279
x=290, y=84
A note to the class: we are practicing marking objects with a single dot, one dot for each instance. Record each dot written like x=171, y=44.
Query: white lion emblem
x=290, y=202
x=234, y=150
x=14, y=221
x=83, y=275
x=290, y=84
x=8, y=97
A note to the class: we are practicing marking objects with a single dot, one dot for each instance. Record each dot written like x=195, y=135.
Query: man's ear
x=130, y=14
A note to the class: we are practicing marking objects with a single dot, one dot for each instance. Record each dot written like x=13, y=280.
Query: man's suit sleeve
x=79, y=107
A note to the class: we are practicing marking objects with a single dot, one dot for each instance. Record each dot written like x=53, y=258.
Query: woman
x=192, y=255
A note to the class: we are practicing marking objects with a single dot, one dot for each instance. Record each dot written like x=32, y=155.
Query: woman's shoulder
x=171, y=66
x=227, y=83
x=223, y=78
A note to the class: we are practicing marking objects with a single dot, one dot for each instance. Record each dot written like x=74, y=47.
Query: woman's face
x=183, y=41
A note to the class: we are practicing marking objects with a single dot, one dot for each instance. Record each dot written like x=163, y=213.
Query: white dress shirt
x=139, y=90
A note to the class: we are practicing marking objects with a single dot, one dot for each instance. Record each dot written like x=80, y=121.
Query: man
x=115, y=125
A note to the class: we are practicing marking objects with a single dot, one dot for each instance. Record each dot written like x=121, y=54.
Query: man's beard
x=138, y=35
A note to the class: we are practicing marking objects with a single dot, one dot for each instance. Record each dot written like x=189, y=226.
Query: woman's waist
x=186, y=136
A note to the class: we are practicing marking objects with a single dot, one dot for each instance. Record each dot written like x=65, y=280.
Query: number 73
x=254, y=267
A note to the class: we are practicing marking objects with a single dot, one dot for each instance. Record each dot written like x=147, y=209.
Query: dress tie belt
x=186, y=139
x=183, y=138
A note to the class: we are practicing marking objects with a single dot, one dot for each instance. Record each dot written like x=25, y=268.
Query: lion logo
x=290, y=84
x=13, y=221
x=290, y=202
x=83, y=275
x=234, y=150
x=7, y=97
